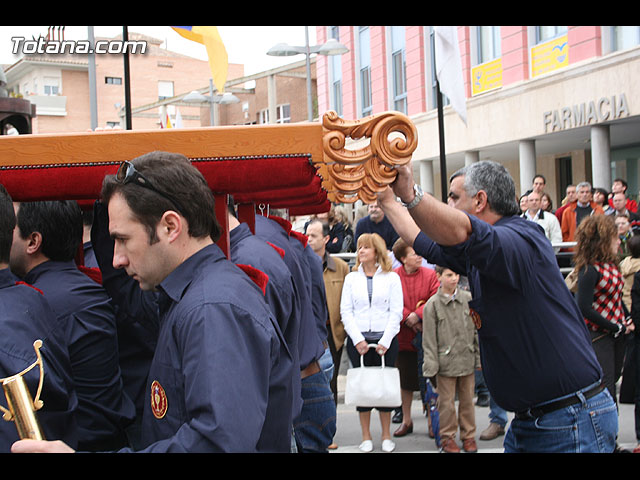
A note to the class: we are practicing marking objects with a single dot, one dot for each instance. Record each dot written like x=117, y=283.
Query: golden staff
x=22, y=409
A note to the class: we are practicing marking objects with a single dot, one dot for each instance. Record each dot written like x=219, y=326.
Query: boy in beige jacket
x=451, y=355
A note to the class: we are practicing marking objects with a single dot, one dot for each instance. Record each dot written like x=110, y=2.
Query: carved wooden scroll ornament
x=363, y=172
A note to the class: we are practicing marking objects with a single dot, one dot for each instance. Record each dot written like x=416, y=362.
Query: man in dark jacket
x=220, y=380
x=26, y=317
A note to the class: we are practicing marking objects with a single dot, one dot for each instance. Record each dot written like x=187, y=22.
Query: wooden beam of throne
x=303, y=166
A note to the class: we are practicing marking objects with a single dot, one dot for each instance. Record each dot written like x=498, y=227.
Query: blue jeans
x=326, y=364
x=590, y=426
x=316, y=425
x=497, y=414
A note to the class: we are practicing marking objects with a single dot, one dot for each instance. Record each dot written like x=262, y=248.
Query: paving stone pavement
x=348, y=435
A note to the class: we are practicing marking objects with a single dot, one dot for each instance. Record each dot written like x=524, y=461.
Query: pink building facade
x=526, y=102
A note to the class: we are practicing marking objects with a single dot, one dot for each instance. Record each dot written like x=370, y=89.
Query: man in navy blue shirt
x=280, y=292
x=25, y=316
x=536, y=352
x=221, y=374
x=315, y=425
x=46, y=240
x=376, y=222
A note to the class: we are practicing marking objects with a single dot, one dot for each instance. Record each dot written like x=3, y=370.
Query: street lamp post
x=330, y=47
x=197, y=97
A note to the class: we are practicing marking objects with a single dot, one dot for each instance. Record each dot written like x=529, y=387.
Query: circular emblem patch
x=477, y=321
x=158, y=400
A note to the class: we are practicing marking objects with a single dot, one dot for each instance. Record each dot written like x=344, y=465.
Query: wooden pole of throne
x=303, y=167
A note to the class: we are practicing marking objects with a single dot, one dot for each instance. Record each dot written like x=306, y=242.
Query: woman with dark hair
x=601, y=197
x=371, y=310
x=546, y=203
x=524, y=203
x=599, y=294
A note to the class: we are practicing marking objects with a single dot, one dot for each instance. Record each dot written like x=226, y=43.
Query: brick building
x=278, y=95
x=58, y=85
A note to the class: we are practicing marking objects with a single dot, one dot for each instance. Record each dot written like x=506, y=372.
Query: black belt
x=537, y=412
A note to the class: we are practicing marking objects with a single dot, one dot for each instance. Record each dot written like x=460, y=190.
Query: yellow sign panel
x=486, y=76
x=549, y=56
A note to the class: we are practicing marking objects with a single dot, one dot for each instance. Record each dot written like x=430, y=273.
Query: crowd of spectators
x=115, y=389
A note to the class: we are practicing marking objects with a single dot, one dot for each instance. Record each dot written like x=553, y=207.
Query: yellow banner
x=216, y=51
x=486, y=76
x=549, y=56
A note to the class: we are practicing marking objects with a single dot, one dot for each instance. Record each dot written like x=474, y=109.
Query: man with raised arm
x=536, y=352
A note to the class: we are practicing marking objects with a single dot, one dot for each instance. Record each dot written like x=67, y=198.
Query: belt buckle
x=526, y=415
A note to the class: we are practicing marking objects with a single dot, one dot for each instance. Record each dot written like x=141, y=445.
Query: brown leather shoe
x=449, y=445
x=469, y=445
x=403, y=430
x=492, y=431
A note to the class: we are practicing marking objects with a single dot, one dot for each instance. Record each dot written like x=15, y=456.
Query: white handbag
x=377, y=386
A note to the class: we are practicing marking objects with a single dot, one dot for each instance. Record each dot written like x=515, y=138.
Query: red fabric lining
x=55, y=183
x=285, y=224
x=280, y=251
x=253, y=179
x=303, y=239
x=310, y=209
x=93, y=273
x=313, y=191
x=29, y=285
x=258, y=276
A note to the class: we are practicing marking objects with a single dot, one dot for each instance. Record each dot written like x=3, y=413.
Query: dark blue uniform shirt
x=310, y=347
x=104, y=409
x=89, y=255
x=247, y=249
x=314, y=279
x=25, y=317
x=534, y=344
x=220, y=380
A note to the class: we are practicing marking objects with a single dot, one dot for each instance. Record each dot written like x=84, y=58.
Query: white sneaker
x=366, y=446
x=388, y=445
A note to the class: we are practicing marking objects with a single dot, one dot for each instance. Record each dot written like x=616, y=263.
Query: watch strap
x=416, y=199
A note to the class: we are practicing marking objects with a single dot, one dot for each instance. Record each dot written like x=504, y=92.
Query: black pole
x=443, y=158
x=127, y=86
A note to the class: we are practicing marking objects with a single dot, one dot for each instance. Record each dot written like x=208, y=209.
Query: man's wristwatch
x=416, y=200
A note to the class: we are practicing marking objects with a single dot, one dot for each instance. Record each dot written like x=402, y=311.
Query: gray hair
x=495, y=180
x=583, y=185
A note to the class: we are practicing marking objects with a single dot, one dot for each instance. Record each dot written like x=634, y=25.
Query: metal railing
x=350, y=257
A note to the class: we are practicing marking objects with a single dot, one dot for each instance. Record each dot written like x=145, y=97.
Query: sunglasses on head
x=128, y=174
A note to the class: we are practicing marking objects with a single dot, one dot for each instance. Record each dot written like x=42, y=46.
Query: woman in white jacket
x=371, y=310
